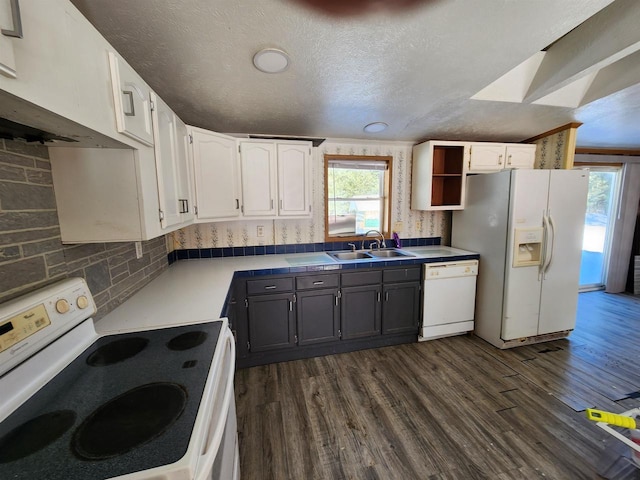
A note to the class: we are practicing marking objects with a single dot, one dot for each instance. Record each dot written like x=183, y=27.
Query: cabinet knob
x=499, y=159
x=509, y=162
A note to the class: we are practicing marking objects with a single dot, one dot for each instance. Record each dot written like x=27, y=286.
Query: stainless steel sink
x=349, y=255
x=392, y=252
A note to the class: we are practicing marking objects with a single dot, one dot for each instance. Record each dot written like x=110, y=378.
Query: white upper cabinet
x=259, y=172
x=185, y=174
x=11, y=25
x=520, y=155
x=38, y=66
x=492, y=157
x=438, y=176
x=294, y=178
x=215, y=173
x=132, y=101
x=486, y=157
x=171, y=165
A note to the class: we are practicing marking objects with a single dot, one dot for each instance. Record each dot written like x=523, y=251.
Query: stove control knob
x=62, y=306
x=82, y=302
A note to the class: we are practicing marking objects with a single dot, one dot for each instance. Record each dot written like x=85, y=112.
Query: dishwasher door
x=449, y=298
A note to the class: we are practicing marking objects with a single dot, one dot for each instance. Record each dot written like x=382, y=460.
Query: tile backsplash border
x=223, y=252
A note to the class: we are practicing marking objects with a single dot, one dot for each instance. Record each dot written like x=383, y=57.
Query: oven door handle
x=205, y=463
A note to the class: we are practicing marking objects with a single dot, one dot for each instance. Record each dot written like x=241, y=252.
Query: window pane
x=348, y=182
x=355, y=196
x=598, y=226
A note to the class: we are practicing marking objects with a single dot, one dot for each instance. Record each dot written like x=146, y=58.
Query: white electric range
x=147, y=404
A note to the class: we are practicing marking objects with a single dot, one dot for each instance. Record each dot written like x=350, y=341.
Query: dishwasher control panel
x=450, y=269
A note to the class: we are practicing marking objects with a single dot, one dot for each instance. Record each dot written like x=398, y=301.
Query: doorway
x=602, y=200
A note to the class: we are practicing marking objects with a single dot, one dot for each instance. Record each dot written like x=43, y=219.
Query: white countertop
x=193, y=291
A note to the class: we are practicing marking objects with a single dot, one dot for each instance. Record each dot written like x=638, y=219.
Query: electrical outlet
x=138, y=249
x=260, y=231
x=397, y=227
x=418, y=225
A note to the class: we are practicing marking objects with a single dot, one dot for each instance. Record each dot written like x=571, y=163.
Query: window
x=357, y=193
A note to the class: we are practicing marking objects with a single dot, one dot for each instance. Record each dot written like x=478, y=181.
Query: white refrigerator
x=527, y=226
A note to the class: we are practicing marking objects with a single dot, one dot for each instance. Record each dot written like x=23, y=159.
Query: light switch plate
x=138, y=249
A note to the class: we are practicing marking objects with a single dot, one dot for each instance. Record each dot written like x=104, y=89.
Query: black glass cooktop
x=128, y=403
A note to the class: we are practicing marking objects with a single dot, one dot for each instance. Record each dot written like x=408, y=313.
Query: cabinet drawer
x=401, y=275
x=361, y=278
x=317, y=281
x=269, y=285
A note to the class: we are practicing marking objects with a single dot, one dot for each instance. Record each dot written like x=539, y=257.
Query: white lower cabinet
x=214, y=163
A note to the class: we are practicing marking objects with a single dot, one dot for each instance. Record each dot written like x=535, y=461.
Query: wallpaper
x=551, y=150
x=408, y=223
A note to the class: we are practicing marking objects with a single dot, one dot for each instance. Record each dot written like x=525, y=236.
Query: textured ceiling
x=415, y=70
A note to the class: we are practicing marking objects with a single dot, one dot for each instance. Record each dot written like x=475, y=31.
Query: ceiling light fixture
x=271, y=60
x=375, y=127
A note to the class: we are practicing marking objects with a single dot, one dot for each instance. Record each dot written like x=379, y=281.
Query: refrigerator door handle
x=545, y=246
x=553, y=238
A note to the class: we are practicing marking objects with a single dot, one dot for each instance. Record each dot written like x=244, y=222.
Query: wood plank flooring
x=455, y=408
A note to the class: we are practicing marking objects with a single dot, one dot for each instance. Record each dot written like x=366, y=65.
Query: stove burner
x=129, y=420
x=187, y=340
x=35, y=434
x=117, y=351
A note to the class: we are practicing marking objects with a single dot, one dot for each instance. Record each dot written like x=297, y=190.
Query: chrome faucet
x=353, y=246
x=380, y=242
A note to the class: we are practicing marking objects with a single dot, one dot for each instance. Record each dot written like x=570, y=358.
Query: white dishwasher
x=449, y=297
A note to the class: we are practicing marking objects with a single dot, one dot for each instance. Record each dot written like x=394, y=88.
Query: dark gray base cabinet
x=318, y=316
x=401, y=308
x=312, y=314
x=271, y=322
x=360, y=311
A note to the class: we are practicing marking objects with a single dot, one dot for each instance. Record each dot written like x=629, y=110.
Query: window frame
x=387, y=194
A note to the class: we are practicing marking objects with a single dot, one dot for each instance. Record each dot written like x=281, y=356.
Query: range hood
x=11, y=131
x=20, y=119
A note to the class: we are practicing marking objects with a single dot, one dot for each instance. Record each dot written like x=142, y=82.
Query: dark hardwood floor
x=455, y=408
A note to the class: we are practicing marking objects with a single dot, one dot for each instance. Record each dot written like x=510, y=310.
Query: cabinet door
x=401, y=308
x=271, y=322
x=258, y=173
x=486, y=157
x=294, y=179
x=520, y=156
x=318, y=316
x=360, y=311
x=132, y=101
x=185, y=176
x=215, y=173
x=7, y=57
x=166, y=146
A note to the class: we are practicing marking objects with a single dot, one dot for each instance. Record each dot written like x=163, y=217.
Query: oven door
x=218, y=460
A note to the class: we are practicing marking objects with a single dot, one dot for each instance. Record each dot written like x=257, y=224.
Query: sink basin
x=389, y=253
x=349, y=255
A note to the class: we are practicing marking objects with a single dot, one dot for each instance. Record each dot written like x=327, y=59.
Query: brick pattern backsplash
x=31, y=252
